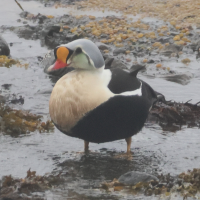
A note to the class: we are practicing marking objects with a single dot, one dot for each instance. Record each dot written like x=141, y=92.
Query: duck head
x=79, y=54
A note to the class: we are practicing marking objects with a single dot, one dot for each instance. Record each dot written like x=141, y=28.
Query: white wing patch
x=137, y=92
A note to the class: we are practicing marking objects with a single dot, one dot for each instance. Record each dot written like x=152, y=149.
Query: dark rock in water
x=4, y=49
x=118, y=51
x=108, y=62
x=24, y=14
x=134, y=177
x=104, y=36
x=102, y=46
x=164, y=39
x=174, y=33
x=137, y=68
x=25, y=31
x=198, y=55
x=72, y=37
x=41, y=18
x=49, y=30
x=140, y=54
x=195, y=45
x=172, y=48
x=182, y=79
x=2, y=99
x=118, y=64
x=6, y=86
x=47, y=36
x=17, y=101
x=151, y=61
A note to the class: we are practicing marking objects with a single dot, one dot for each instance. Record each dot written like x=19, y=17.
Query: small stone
x=186, y=61
x=176, y=38
x=3, y=99
x=118, y=51
x=24, y=14
x=134, y=177
x=108, y=62
x=72, y=37
x=102, y=46
x=145, y=61
x=118, y=64
x=128, y=60
x=159, y=65
x=4, y=48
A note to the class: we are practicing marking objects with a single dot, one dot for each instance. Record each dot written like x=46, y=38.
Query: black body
x=118, y=118
x=121, y=116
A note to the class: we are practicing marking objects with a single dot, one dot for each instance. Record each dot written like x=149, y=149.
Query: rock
x=41, y=18
x=140, y=54
x=49, y=30
x=198, y=56
x=137, y=67
x=66, y=20
x=102, y=46
x=118, y=51
x=150, y=61
x=104, y=36
x=164, y=40
x=172, y=48
x=108, y=62
x=72, y=37
x=3, y=99
x=6, y=86
x=195, y=45
x=24, y=14
x=182, y=79
x=134, y=177
x=174, y=33
x=118, y=64
x=142, y=40
x=25, y=31
x=4, y=49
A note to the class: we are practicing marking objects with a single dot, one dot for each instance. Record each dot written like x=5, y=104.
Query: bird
x=96, y=104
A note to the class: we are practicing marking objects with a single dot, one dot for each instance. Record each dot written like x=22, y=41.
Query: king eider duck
x=96, y=104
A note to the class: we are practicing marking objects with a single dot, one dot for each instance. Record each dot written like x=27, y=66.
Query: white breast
x=77, y=93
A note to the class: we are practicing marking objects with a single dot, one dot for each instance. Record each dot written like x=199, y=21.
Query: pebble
x=134, y=177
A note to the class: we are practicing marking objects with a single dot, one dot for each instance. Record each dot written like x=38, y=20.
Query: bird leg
x=128, y=141
x=86, y=146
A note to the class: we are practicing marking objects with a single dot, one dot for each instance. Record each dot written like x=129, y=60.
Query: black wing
x=123, y=81
x=118, y=118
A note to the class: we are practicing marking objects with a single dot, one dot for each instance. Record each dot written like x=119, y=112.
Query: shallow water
x=155, y=151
